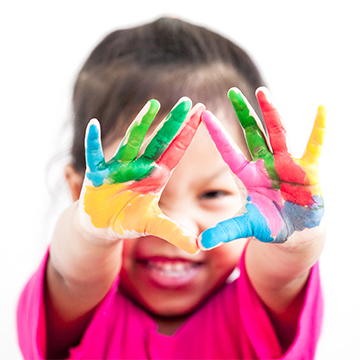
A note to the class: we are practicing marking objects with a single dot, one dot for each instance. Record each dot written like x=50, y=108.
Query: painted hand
x=120, y=197
x=283, y=193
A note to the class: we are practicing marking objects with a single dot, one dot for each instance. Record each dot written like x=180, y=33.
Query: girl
x=124, y=277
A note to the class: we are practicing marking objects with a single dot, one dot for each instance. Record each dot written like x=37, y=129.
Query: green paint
x=124, y=166
x=122, y=172
x=136, y=133
x=254, y=137
x=167, y=132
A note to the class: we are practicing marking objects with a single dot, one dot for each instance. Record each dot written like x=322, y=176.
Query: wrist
x=86, y=230
x=80, y=257
x=305, y=240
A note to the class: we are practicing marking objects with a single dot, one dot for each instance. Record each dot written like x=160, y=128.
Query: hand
x=283, y=193
x=120, y=197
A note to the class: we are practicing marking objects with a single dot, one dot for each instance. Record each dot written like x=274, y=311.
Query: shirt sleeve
x=31, y=323
x=260, y=330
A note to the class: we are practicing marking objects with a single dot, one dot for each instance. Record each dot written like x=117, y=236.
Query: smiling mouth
x=171, y=273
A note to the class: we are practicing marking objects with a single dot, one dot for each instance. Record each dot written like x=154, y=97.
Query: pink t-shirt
x=232, y=324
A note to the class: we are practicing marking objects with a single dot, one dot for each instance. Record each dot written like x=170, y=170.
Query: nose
x=186, y=217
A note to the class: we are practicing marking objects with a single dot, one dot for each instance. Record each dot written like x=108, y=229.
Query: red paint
x=294, y=181
x=153, y=183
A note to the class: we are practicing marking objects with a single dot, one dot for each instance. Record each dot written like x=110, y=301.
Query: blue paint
x=114, y=171
x=97, y=178
x=298, y=218
x=95, y=157
x=251, y=223
x=302, y=217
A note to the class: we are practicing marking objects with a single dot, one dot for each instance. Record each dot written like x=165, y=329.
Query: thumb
x=250, y=224
x=165, y=228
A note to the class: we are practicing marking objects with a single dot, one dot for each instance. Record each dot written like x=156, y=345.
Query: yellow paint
x=309, y=162
x=314, y=146
x=124, y=211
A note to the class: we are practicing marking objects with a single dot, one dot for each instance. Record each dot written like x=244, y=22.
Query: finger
x=93, y=150
x=167, y=131
x=250, y=122
x=159, y=225
x=275, y=128
x=153, y=222
x=163, y=227
x=229, y=151
x=130, y=145
x=250, y=224
x=314, y=146
x=222, y=233
x=176, y=150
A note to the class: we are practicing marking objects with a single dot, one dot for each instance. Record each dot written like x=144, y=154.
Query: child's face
x=201, y=192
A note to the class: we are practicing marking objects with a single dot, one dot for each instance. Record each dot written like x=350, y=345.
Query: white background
x=308, y=53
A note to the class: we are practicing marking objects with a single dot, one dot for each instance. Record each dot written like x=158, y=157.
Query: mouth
x=171, y=273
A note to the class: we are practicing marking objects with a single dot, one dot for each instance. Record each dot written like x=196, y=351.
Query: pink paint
x=269, y=211
x=226, y=146
x=253, y=175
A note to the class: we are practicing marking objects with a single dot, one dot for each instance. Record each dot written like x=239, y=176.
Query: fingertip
x=185, y=102
x=92, y=130
x=205, y=241
x=233, y=94
x=233, y=91
x=322, y=110
x=262, y=89
x=145, y=116
x=210, y=120
x=94, y=121
x=320, y=120
x=195, y=115
x=263, y=94
x=154, y=101
x=199, y=108
x=148, y=112
x=154, y=105
x=206, y=115
x=210, y=116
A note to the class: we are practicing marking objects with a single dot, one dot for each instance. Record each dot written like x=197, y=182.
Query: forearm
x=278, y=272
x=81, y=269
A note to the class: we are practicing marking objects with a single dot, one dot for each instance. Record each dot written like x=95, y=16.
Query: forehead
x=201, y=159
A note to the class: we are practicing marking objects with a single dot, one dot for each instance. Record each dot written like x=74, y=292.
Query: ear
x=74, y=180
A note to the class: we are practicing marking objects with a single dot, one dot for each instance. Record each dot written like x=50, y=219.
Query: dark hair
x=166, y=59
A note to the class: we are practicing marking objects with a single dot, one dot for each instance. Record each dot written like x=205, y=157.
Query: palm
x=120, y=197
x=283, y=193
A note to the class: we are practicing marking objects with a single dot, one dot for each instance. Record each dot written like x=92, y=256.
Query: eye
x=214, y=194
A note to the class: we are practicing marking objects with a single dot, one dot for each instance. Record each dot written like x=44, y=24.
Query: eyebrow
x=219, y=172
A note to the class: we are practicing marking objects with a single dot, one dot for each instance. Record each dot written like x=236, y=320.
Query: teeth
x=171, y=268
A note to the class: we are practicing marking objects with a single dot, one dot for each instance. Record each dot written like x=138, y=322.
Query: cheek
x=223, y=209
x=128, y=256
x=226, y=257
